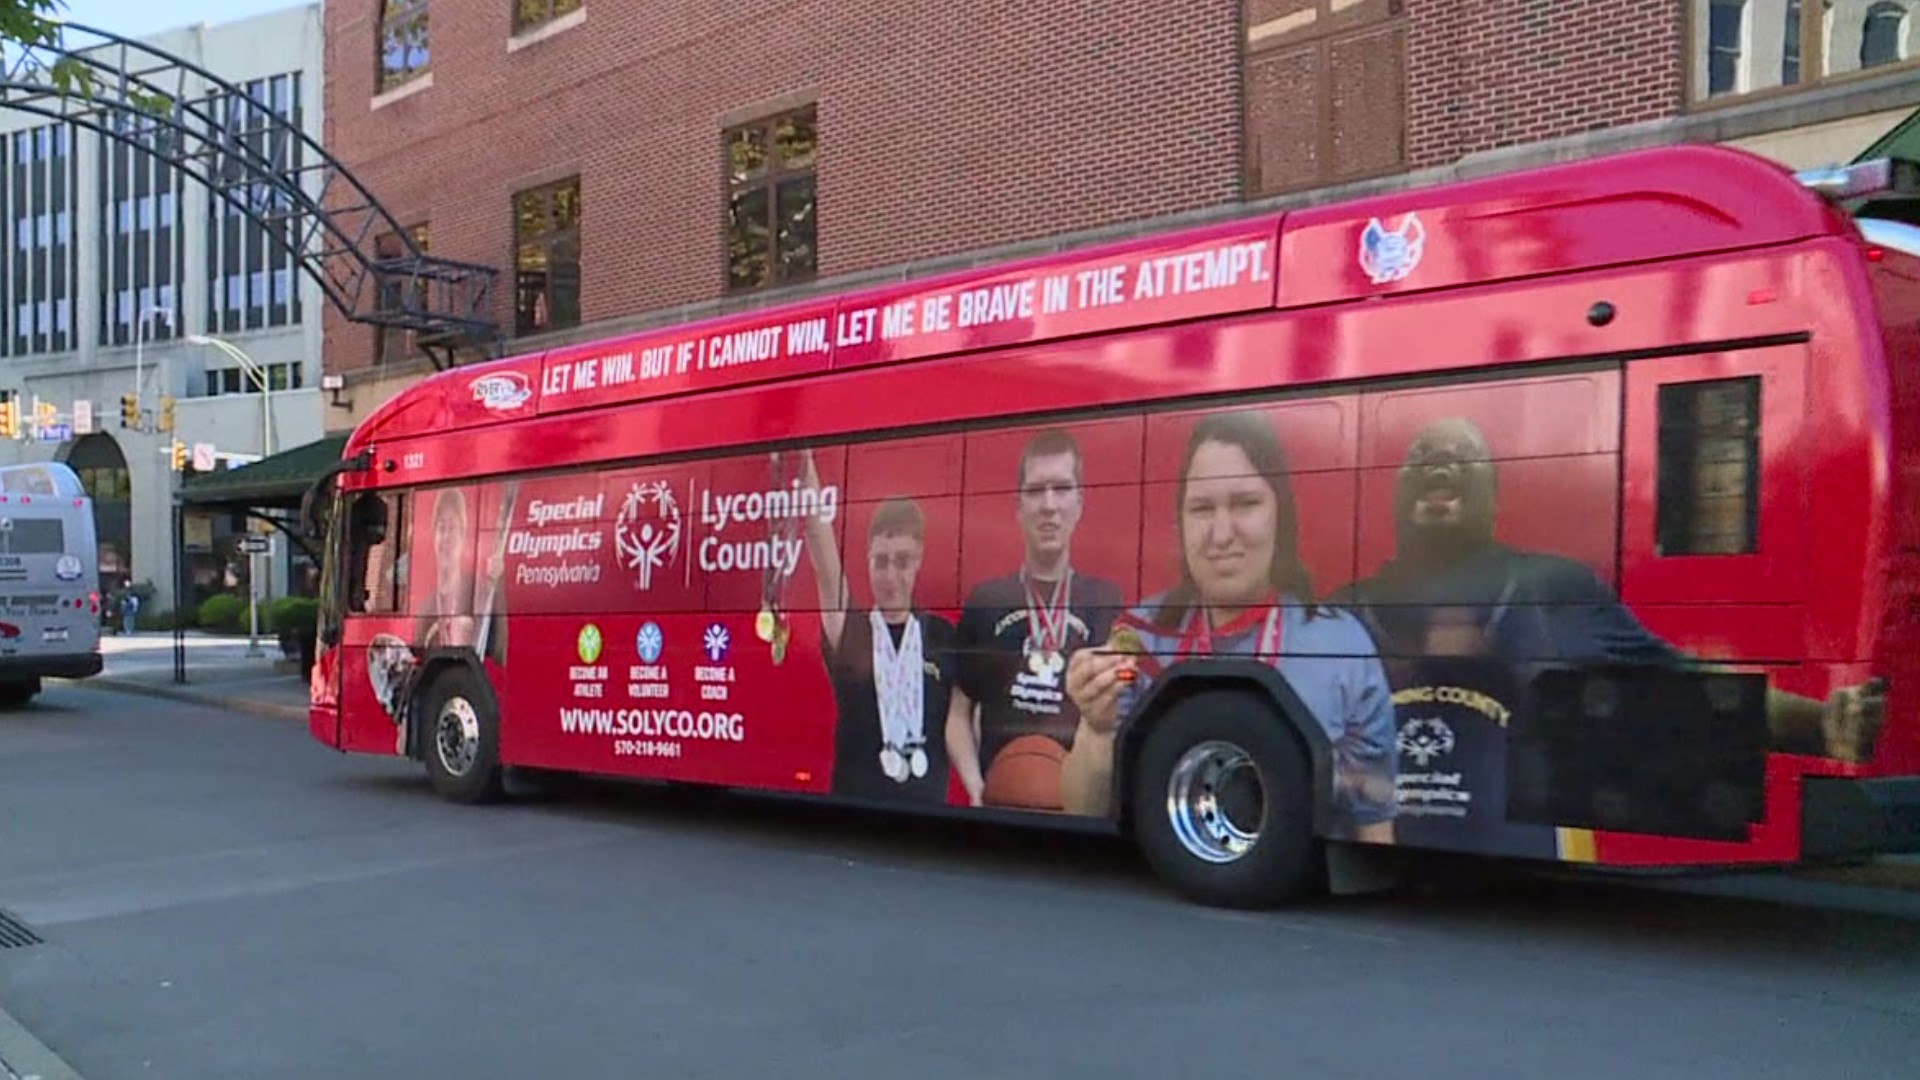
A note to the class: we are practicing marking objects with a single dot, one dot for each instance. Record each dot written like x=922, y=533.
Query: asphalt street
x=221, y=897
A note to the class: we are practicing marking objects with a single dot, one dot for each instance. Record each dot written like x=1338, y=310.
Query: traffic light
x=166, y=412
x=130, y=410
x=10, y=418
x=45, y=414
x=179, y=456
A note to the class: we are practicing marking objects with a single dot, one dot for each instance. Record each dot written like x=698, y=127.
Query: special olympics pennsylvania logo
x=647, y=532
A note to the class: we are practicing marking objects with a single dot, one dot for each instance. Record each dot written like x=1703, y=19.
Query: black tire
x=16, y=695
x=1281, y=865
x=478, y=780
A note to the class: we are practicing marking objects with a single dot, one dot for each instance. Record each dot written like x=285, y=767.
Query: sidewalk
x=219, y=673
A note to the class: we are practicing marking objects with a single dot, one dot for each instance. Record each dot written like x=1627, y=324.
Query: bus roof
x=40, y=478
x=1664, y=203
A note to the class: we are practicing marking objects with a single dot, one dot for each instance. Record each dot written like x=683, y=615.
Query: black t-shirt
x=1014, y=699
x=1514, y=611
x=857, y=735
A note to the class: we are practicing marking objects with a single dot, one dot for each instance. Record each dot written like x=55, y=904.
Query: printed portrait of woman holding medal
x=890, y=665
x=1242, y=591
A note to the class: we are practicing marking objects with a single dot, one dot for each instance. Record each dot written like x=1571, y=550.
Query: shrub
x=292, y=614
x=223, y=611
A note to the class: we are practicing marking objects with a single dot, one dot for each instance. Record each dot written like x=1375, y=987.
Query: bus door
x=1713, y=538
x=1656, y=734
x=367, y=541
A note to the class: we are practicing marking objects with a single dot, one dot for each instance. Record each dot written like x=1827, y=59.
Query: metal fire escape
x=262, y=164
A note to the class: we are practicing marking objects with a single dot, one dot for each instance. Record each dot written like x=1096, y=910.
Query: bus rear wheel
x=461, y=740
x=1222, y=796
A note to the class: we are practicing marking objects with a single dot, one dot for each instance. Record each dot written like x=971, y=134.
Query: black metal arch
x=272, y=172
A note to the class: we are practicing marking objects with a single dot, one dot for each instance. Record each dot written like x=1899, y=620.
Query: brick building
x=628, y=164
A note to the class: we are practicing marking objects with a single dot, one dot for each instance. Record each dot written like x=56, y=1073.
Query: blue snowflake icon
x=649, y=643
x=716, y=642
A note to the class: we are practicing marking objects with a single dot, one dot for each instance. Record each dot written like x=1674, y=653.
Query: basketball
x=1026, y=774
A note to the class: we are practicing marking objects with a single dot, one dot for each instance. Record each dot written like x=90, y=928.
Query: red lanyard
x=1197, y=639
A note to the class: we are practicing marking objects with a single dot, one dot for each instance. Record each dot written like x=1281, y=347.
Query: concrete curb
x=23, y=1057
x=1901, y=872
x=213, y=699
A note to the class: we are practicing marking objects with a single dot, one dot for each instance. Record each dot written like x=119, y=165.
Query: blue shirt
x=1331, y=664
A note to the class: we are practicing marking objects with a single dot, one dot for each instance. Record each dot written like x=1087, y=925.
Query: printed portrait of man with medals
x=890, y=665
x=1243, y=592
x=1011, y=721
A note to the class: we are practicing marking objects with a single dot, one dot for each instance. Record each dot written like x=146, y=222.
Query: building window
x=1883, y=36
x=391, y=343
x=1790, y=46
x=235, y=380
x=39, y=259
x=1750, y=46
x=529, y=14
x=1726, y=33
x=1708, y=482
x=403, y=53
x=1325, y=90
x=253, y=275
x=770, y=201
x=546, y=236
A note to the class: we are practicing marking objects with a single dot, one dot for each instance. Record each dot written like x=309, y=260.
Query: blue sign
x=56, y=432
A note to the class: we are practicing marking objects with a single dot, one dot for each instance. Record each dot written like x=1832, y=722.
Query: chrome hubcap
x=456, y=734
x=1215, y=801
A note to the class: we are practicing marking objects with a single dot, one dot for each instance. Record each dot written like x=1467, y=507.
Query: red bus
x=1569, y=515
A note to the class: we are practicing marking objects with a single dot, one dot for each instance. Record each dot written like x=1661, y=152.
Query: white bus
x=49, y=580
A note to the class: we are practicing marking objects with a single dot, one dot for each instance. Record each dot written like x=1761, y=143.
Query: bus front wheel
x=15, y=695
x=1223, y=803
x=462, y=738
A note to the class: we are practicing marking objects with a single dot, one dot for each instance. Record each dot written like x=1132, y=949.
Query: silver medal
x=892, y=765
x=919, y=762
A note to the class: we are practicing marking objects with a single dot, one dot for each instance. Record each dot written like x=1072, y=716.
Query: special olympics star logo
x=716, y=642
x=1426, y=739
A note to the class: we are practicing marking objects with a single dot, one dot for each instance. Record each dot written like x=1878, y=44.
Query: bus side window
x=1707, y=488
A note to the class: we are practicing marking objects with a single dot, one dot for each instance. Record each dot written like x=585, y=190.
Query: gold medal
x=1126, y=640
x=763, y=626
x=780, y=636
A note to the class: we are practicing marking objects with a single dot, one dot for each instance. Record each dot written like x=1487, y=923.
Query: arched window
x=1726, y=38
x=401, y=50
x=1883, y=35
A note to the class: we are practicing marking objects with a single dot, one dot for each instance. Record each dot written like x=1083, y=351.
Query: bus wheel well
x=1229, y=804
x=457, y=730
x=1180, y=688
x=430, y=670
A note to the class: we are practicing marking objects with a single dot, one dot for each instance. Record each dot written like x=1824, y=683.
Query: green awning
x=1901, y=142
x=275, y=481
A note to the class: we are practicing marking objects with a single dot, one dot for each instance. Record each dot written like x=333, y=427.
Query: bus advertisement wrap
x=1565, y=515
x=971, y=619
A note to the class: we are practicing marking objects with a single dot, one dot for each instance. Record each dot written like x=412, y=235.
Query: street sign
x=248, y=544
x=203, y=456
x=83, y=417
x=55, y=432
